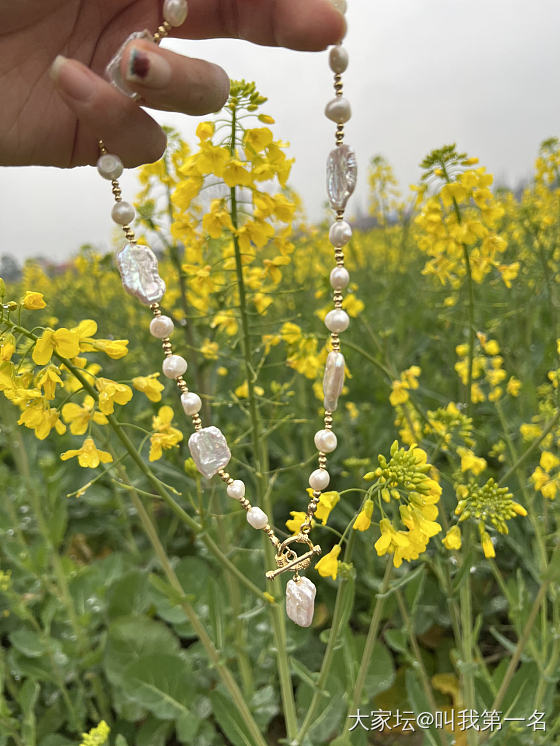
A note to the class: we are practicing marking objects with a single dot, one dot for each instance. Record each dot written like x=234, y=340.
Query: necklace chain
x=138, y=268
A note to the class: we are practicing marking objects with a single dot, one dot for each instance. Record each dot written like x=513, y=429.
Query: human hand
x=53, y=114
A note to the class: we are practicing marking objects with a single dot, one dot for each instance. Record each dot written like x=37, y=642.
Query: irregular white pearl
x=191, y=402
x=300, y=601
x=175, y=12
x=257, y=517
x=337, y=320
x=338, y=110
x=340, y=233
x=122, y=212
x=174, y=366
x=338, y=59
x=325, y=441
x=110, y=166
x=339, y=278
x=161, y=327
x=236, y=489
x=319, y=479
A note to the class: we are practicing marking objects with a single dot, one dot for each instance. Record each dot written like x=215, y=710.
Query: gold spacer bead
x=328, y=420
x=322, y=461
x=316, y=494
x=182, y=384
x=197, y=422
x=102, y=149
x=155, y=308
x=245, y=503
x=224, y=476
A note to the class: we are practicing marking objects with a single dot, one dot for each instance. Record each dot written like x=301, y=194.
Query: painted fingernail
x=148, y=69
x=72, y=79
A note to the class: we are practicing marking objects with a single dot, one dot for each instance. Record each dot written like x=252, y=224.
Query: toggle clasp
x=288, y=559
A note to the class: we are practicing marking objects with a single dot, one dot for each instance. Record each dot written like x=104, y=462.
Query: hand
x=54, y=114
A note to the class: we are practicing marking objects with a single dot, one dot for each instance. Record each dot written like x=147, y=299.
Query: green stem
x=467, y=667
x=261, y=465
x=334, y=633
x=213, y=655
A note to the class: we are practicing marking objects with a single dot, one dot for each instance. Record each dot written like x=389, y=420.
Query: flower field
x=134, y=610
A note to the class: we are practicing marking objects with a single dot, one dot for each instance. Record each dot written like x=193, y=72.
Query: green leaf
x=397, y=639
x=264, y=705
x=187, y=726
x=131, y=639
x=161, y=683
x=28, y=642
x=121, y=741
x=229, y=720
x=128, y=595
x=27, y=698
x=153, y=732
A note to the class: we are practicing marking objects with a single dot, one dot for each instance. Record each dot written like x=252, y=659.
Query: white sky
x=423, y=73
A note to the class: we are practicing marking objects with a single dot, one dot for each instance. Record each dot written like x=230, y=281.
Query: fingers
x=103, y=112
x=169, y=81
x=305, y=25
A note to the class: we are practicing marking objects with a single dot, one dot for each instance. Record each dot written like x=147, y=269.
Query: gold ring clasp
x=287, y=559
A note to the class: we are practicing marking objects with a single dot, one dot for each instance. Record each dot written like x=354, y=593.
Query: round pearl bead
x=161, y=327
x=338, y=110
x=236, y=489
x=122, y=213
x=337, y=320
x=338, y=59
x=339, y=278
x=191, y=402
x=340, y=233
x=175, y=12
x=319, y=479
x=325, y=441
x=174, y=366
x=256, y=517
x=110, y=166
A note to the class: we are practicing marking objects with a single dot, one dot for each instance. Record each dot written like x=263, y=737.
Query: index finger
x=305, y=25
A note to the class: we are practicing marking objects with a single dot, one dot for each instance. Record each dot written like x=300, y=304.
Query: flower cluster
x=489, y=379
x=96, y=736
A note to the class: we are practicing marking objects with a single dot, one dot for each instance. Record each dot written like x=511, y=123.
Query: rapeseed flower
x=165, y=436
x=89, y=456
x=363, y=519
x=63, y=342
x=149, y=385
x=33, y=301
x=79, y=417
x=96, y=736
x=111, y=393
x=328, y=565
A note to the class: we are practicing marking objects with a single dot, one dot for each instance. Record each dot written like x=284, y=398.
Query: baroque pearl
x=138, y=268
x=209, y=450
x=333, y=380
x=191, y=402
x=339, y=278
x=300, y=601
x=161, y=327
x=319, y=479
x=122, y=212
x=175, y=12
x=337, y=320
x=325, y=441
x=174, y=366
x=338, y=110
x=236, y=489
x=110, y=166
x=338, y=59
x=342, y=173
x=340, y=233
x=256, y=517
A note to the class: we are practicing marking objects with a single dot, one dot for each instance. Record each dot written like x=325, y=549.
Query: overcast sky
x=423, y=73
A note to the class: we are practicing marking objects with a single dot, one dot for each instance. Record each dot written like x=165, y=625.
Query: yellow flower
x=88, y=455
x=210, y=349
x=114, y=348
x=487, y=545
x=64, y=342
x=389, y=540
x=529, y=431
x=293, y=524
x=290, y=333
x=242, y=392
x=7, y=347
x=258, y=138
x=96, y=736
x=149, y=385
x=513, y=386
x=363, y=519
x=80, y=416
x=470, y=462
x=452, y=539
x=352, y=305
x=257, y=232
x=33, y=301
x=41, y=419
x=548, y=461
x=226, y=321
x=399, y=393
x=47, y=379
x=235, y=175
x=111, y=393
x=216, y=219
x=205, y=130
x=326, y=503
x=328, y=565
x=164, y=436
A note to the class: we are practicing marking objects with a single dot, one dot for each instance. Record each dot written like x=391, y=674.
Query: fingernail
x=339, y=5
x=72, y=79
x=148, y=69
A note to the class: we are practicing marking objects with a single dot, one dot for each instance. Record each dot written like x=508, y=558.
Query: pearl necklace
x=138, y=268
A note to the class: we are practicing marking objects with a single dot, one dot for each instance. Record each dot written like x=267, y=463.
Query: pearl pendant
x=138, y=267
x=300, y=601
